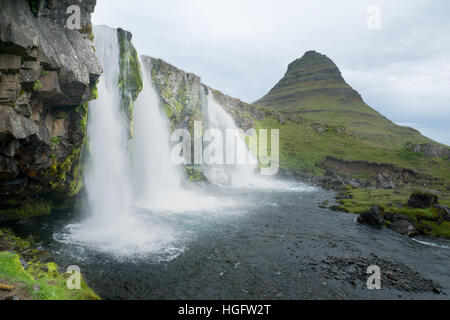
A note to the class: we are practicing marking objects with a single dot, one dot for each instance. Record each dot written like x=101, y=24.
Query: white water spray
x=155, y=177
x=157, y=182
x=112, y=226
x=107, y=183
x=238, y=175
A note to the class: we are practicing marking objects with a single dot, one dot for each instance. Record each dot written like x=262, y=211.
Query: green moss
x=130, y=77
x=194, y=174
x=34, y=6
x=54, y=142
x=394, y=201
x=52, y=285
x=25, y=208
x=37, y=86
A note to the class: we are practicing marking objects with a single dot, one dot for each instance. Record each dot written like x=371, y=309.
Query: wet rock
x=374, y=217
x=403, y=226
x=422, y=199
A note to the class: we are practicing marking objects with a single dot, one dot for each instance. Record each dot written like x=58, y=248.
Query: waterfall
x=235, y=175
x=155, y=178
x=157, y=182
x=112, y=225
x=106, y=180
x=133, y=188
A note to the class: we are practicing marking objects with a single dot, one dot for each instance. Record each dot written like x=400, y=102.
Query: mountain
x=314, y=86
x=341, y=133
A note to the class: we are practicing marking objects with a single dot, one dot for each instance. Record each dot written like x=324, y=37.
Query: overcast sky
x=243, y=47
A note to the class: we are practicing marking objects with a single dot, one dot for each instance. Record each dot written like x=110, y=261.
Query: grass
x=46, y=276
x=394, y=201
x=52, y=284
x=303, y=149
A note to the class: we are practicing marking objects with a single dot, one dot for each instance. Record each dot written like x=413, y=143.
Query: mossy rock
x=130, y=77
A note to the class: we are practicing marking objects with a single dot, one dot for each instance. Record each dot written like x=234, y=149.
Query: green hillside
x=314, y=85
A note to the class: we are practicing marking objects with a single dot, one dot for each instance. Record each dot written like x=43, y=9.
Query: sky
x=396, y=54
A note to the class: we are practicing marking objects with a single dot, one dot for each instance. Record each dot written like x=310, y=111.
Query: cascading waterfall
x=155, y=178
x=235, y=175
x=157, y=182
x=132, y=191
x=112, y=225
x=107, y=182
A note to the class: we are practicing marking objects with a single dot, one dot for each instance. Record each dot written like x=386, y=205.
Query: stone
x=59, y=128
x=374, y=217
x=403, y=226
x=10, y=63
x=65, y=64
x=8, y=168
x=11, y=148
x=422, y=199
x=19, y=126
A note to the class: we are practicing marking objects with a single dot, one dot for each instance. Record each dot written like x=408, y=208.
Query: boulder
x=374, y=217
x=422, y=199
x=403, y=226
x=443, y=213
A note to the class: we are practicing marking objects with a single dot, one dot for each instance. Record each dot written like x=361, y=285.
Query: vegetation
x=395, y=201
x=34, y=6
x=130, y=77
x=303, y=151
x=37, y=86
x=37, y=280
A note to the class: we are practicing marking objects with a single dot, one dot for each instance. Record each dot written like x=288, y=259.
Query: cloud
x=243, y=47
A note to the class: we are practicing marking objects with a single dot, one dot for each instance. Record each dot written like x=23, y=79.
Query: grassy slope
x=314, y=89
x=52, y=284
x=302, y=150
x=314, y=86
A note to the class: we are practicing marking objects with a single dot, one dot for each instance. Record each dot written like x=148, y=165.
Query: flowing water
x=149, y=235
x=272, y=244
x=242, y=170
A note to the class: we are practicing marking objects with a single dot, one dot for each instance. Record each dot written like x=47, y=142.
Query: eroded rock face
x=182, y=94
x=47, y=76
x=429, y=150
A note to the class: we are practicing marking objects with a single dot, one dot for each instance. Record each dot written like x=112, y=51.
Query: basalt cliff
x=48, y=74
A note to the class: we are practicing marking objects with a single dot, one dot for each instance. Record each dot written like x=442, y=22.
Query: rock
x=10, y=63
x=422, y=199
x=45, y=69
x=385, y=182
x=8, y=168
x=374, y=217
x=11, y=147
x=428, y=149
x=443, y=213
x=403, y=226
